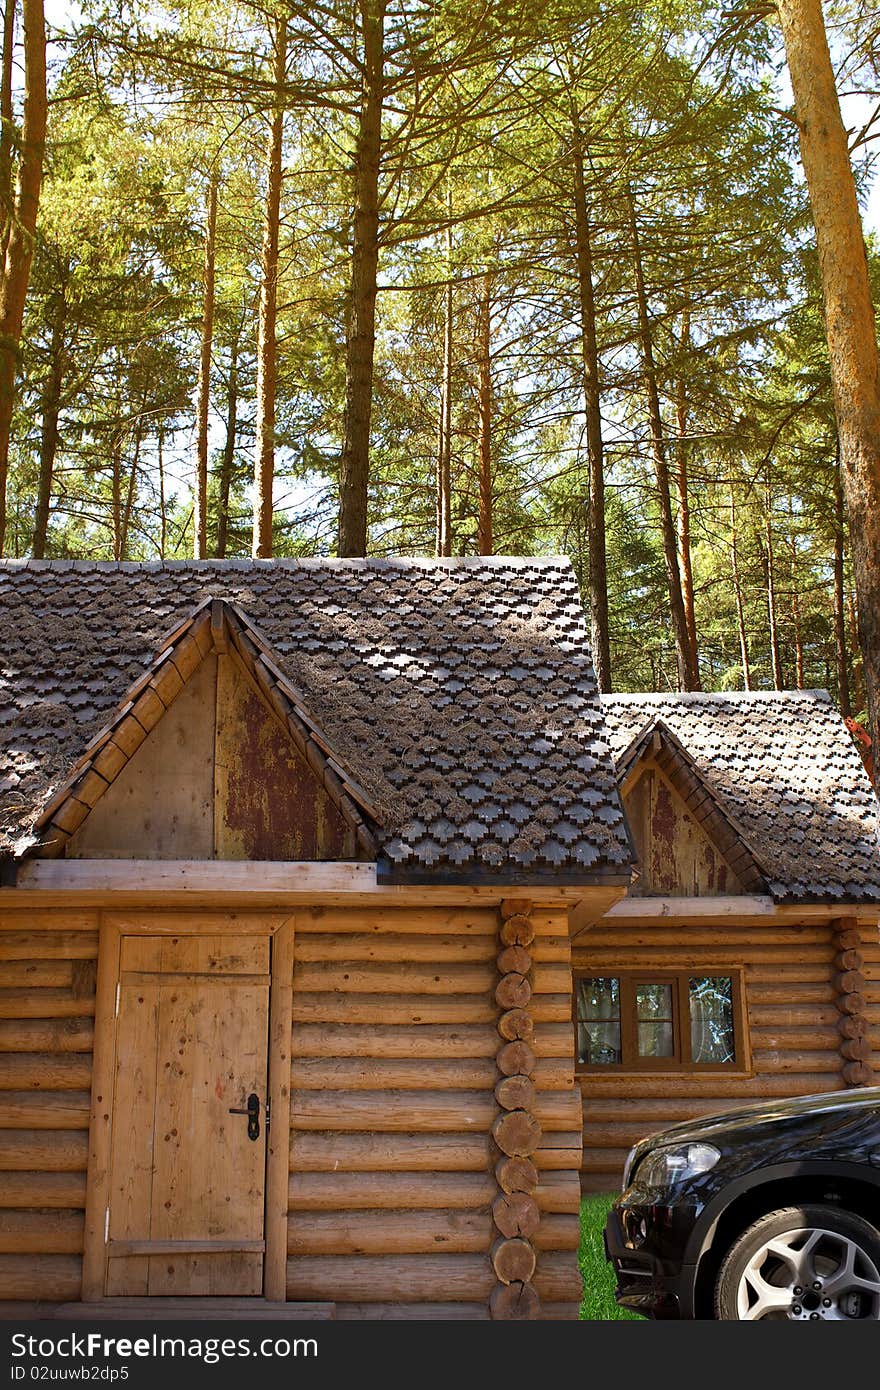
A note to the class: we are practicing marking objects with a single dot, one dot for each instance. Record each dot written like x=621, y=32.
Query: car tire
x=802, y=1264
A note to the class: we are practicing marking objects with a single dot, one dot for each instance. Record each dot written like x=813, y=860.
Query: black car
x=772, y=1211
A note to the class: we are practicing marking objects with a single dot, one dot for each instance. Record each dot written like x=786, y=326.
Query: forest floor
x=598, y=1303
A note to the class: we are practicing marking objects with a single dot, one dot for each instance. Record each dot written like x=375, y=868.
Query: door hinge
x=106, y=1225
x=116, y=1014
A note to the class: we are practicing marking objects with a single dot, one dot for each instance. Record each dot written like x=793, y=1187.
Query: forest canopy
x=528, y=278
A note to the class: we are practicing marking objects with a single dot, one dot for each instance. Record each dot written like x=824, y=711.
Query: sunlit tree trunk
x=737, y=590
x=684, y=507
x=227, y=462
x=849, y=313
x=267, y=348
x=772, y=617
x=203, y=404
x=599, y=624
x=858, y=684
x=163, y=519
x=485, y=521
x=116, y=492
x=130, y=492
x=19, y=211
x=50, y=410
x=796, y=617
x=7, y=132
x=840, y=651
x=361, y=338
x=443, y=538
x=683, y=659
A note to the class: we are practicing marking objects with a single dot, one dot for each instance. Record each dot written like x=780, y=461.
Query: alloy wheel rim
x=809, y=1274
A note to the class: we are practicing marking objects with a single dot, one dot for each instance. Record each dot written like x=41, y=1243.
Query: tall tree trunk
x=50, y=411
x=770, y=571
x=849, y=315
x=684, y=506
x=200, y=499
x=737, y=589
x=796, y=615
x=361, y=338
x=163, y=520
x=840, y=651
x=19, y=223
x=7, y=131
x=116, y=491
x=858, y=683
x=227, y=463
x=131, y=490
x=267, y=373
x=485, y=518
x=683, y=657
x=599, y=625
x=443, y=539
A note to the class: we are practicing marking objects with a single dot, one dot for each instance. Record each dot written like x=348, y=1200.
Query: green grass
x=599, y=1303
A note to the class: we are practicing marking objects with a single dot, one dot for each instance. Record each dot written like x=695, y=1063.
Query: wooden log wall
x=793, y=987
x=399, y=1074
x=398, y=1079
x=47, y=1006
x=868, y=1026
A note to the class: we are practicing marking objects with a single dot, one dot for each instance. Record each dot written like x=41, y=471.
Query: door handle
x=253, y=1114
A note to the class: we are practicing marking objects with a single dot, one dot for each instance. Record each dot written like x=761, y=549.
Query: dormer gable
x=687, y=843
x=211, y=755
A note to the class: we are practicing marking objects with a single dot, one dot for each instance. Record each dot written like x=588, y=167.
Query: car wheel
x=802, y=1264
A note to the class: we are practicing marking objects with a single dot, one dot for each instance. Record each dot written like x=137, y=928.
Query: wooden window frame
x=681, y=1061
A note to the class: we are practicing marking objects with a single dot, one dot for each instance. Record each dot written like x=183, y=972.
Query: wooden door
x=187, y=1183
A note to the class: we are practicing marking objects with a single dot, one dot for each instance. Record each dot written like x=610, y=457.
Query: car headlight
x=628, y=1166
x=663, y=1168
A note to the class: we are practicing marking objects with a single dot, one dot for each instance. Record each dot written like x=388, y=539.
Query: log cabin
x=289, y=852
x=744, y=963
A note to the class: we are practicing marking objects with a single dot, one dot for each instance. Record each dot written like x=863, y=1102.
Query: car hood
x=826, y=1110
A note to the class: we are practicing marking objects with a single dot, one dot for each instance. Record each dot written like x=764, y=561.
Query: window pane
x=654, y=1001
x=599, y=1044
x=599, y=999
x=655, y=1039
x=711, y=1001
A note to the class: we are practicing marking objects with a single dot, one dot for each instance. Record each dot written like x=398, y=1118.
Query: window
x=659, y=1020
x=599, y=1021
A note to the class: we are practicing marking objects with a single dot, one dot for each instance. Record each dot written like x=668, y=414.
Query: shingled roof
x=784, y=770
x=457, y=696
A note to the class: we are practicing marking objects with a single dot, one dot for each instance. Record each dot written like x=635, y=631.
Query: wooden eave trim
x=307, y=882
x=628, y=765
x=746, y=905
x=752, y=905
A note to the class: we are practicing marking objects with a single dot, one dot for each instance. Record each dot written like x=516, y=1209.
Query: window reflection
x=654, y=1015
x=711, y=1006
x=598, y=1021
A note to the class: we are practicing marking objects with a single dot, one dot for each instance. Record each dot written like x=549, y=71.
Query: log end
x=514, y=1303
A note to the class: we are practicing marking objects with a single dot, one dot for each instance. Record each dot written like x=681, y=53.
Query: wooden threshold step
x=174, y=1310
